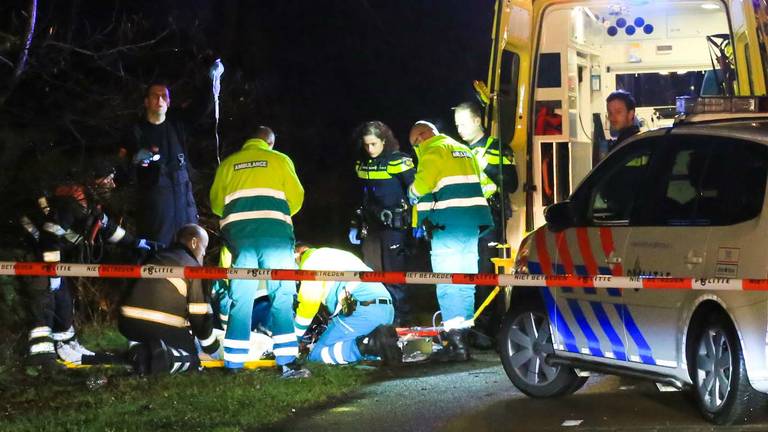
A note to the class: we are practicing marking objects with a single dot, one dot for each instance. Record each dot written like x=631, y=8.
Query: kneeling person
x=361, y=313
x=162, y=317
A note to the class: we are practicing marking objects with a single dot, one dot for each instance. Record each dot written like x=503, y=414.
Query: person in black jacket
x=68, y=225
x=158, y=151
x=162, y=317
x=383, y=220
x=498, y=163
x=621, y=115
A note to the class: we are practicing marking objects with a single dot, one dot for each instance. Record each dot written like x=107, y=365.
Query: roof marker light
x=722, y=104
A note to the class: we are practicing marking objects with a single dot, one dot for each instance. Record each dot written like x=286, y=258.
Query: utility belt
x=394, y=218
x=349, y=304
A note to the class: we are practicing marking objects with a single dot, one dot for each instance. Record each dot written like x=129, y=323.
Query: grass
x=206, y=401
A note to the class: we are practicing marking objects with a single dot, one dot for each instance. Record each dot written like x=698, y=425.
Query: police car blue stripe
x=646, y=355
x=613, y=292
x=556, y=316
x=553, y=312
x=581, y=270
x=605, y=323
x=592, y=341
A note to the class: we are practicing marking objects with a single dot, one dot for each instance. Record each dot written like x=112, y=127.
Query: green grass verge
x=206, y=401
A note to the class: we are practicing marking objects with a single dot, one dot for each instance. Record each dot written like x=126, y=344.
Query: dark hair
x=472, y=107
x=623, y=96
x=380, y=131
x=156, y=83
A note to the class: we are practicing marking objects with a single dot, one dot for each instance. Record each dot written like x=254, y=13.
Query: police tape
x=10, y=268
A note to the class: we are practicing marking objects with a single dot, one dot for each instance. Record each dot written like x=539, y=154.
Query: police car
x=683, y=201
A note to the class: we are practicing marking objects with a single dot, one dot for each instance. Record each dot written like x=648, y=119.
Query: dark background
x=310, y=70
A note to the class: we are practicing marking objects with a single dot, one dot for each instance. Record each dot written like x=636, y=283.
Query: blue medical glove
x=413, y=199
x=143, y=244
x=143, y=157
x=353, y=236
x=419, y=233
x=54, y=283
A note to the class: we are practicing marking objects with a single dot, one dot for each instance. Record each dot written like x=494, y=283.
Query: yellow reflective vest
x=255, y=192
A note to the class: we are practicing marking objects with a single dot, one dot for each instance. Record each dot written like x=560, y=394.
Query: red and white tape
x=158, y=272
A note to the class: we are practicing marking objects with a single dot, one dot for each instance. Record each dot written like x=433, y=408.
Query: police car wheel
x=524, y=342
x=721, y=387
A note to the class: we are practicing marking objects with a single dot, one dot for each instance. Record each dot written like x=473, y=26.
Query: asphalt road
x=477, y=396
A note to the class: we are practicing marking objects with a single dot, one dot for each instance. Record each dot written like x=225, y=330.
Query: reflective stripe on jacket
x=448, y=185
x=255, y=192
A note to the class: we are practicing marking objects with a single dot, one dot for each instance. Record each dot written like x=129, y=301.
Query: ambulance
x=685, y=198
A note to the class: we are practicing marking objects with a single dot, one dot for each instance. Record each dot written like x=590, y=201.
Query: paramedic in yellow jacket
x=451, y=207
x=361, y=312
x=255, y=192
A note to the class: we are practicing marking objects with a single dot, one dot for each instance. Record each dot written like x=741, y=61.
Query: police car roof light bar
x=687, y=105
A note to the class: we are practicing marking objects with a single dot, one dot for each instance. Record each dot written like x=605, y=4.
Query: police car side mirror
x=559, y=216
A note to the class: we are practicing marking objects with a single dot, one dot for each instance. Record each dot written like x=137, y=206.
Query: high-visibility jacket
x=173, y=302
x=255, y=192
x=447, y=185
x=312, y=294
x=497, y=167
x=385, y=180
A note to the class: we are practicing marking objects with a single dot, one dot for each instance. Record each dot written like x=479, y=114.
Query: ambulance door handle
x=613, y=260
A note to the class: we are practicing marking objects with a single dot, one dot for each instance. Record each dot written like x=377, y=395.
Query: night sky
x=324, y=67
x=310, y=70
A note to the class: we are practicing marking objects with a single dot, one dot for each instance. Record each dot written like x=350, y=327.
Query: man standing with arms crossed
x=450, y=205
x=255, y=192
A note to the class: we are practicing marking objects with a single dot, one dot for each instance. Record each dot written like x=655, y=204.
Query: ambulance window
x=508, y=81
x=619, y=188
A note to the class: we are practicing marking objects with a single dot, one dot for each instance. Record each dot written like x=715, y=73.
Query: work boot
x=159, y=358
x=454, y=346
x=42, y=362
x=382, y=342
x=138, y=357
x=479, y=340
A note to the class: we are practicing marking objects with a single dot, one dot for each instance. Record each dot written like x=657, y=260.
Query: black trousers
x=385, y=250
x=46, y=308
x=166, y=207
x=489, y=321
x=181, y=353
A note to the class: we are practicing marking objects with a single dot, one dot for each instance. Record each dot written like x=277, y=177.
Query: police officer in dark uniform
x=501, y=170
x=157, y=148
x=69, y=224
x=162, y=317
x=383, y=220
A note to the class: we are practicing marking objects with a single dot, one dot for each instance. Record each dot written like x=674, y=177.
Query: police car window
x=617, y=191
x=712, y=181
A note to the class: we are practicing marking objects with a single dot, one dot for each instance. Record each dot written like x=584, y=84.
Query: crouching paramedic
x=162, y=317
x=361, y=313
x=449, y=199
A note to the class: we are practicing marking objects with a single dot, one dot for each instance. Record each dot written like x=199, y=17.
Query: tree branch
x=21, y=65
x=107, y=52
x=6, y=61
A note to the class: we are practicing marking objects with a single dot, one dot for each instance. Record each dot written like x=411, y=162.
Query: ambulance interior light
x=722, y=104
